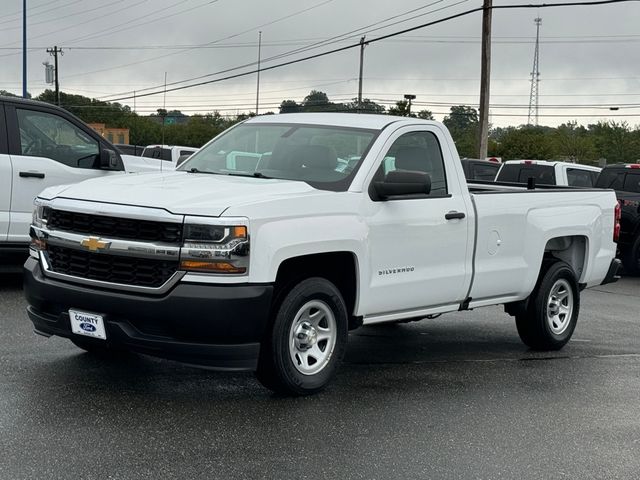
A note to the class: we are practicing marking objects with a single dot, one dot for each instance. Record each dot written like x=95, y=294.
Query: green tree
x=425, y=115
x=527, y=141
x=366, y=106
x=315, y=99
x=615, y=141
x=572, y=143
x=401, y=109
x=462, y=123
x=290, y=106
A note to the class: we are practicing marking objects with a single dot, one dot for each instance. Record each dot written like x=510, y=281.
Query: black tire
x=631, y=258
x=543, y=326
x=277, y=369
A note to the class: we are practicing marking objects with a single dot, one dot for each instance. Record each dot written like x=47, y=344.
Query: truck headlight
x=214, y=247
x=40, y=213
x=38, y=220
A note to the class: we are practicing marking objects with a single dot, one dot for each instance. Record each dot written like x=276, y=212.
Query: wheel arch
x=571, y=249
x=339, y=267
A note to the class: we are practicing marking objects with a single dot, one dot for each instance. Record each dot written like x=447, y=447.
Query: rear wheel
x=552, y=311
x=307, y=341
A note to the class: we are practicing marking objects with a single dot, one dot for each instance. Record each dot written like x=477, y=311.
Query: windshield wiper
x=195, y=170
x=254, y=174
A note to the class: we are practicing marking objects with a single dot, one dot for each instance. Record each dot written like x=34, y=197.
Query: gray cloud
x=589, y=55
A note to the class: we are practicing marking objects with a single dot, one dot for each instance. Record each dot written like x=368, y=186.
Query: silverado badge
x=94, y=244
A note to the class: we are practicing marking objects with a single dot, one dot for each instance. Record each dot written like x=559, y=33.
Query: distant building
x=114, y=135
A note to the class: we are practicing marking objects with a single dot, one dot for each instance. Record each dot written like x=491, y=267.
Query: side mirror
x=110, y=160
x=403, y=183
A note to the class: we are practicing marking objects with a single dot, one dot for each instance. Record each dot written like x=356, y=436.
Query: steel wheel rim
x=312, y=337
x=559, y=306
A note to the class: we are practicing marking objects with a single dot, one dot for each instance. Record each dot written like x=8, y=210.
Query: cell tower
x=532, y=118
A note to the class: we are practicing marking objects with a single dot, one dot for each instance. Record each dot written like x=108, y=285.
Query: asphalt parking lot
x=455, y=397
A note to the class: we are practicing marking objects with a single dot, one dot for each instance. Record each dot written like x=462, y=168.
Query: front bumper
x=212, y=325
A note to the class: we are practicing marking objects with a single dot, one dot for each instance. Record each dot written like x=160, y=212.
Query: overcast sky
x=588, y=55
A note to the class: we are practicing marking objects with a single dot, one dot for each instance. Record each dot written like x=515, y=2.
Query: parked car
x=625, y=180
x=266, y=265
x=475, y=169
x=548, y=173
x=135, y=150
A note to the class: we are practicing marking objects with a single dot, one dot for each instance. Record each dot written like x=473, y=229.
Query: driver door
x=45, y=149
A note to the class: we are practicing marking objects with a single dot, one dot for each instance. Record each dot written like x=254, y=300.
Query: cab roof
x=355, y=120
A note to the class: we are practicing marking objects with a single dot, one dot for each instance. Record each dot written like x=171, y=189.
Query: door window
x=157, y=153
x=632, y=183
x=579, y=178
x=51, y=136
x=418, y=152
x=610, y=178
x=485, y=172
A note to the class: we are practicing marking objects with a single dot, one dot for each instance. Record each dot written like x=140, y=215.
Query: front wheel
x=307, y=341
x=552, y=312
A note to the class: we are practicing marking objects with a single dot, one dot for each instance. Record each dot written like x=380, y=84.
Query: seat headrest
x=413, y=158
x=313, y=156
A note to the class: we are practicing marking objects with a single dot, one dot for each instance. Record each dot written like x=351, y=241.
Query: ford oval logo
x=87, y=327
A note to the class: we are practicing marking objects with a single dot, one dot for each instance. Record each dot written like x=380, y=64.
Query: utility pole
x=55, y=51
x=485, y=77
x=362, y=44
x=258, y=81
x=24, y=48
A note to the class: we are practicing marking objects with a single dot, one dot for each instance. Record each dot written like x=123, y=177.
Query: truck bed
x=510, y=231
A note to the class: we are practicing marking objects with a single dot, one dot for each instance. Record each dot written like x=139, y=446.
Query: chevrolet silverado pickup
x=284, y=232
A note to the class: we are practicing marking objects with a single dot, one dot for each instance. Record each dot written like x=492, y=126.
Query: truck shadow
x=10, y=281
x=372, y=352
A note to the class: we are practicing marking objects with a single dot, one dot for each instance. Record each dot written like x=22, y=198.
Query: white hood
x=181, y=192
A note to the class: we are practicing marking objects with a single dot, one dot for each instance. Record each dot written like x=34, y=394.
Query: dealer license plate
x=87, y=324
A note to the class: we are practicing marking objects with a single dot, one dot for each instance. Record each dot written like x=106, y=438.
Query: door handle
x=454, y=215
x=31, y=174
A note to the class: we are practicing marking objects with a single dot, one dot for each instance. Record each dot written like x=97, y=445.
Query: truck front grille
x=141, y=272
x=114, y=227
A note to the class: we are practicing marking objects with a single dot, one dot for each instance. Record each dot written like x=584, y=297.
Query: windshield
x=325, y=157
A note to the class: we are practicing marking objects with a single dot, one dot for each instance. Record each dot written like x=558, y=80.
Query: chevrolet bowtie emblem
x=94, y=244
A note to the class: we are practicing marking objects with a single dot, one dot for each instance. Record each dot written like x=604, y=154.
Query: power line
x=97, y=34
x=383, y=37
x=39, y=13
x=49, y=20
x=314, y=45
x=203, y=45
x=100, y=18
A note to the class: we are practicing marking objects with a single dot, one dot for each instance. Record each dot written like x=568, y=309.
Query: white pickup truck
x=42, y=145
x=343, y=220
x=169, y=155
x=546, y=172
